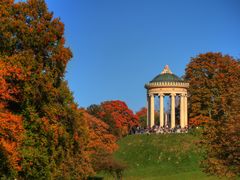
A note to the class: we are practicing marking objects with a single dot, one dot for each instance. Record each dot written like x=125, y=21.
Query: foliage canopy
x=214, y=100
x=42, y=134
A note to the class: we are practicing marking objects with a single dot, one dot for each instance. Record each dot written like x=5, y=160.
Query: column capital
x=160, y=94
x=183, y=94
x=150, y=94
x=173, y=94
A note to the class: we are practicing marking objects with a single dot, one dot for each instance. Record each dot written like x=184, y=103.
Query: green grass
x=156, y=157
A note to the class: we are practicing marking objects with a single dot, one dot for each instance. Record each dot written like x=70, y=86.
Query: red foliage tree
x=123, y=118
x=142, y=116
x=117, y=115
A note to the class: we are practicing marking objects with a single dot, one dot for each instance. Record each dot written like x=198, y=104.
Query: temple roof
x=166, y=76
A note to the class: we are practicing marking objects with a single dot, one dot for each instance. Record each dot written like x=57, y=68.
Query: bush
x=112, y=166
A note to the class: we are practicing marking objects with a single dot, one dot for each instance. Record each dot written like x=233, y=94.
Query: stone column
x=161, y=110
x=173, y=110
x=151, y=110
x=186, y=111
x=182, y=119
x=148, y=110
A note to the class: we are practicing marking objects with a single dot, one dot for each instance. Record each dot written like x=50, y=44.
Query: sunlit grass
x=153, y=157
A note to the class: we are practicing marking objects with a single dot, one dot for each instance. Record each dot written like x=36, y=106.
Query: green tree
x=214, y=98
x=142, y=116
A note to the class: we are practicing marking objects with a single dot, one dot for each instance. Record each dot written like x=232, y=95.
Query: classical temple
x=167, y=84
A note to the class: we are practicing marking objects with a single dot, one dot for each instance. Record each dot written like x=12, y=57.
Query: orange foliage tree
x=100, y=136
x=55, y=136
x=215, y=98
x=206, y=74
x=198, y=120
x=101, y=146
x=11, y=125
x=101, y=142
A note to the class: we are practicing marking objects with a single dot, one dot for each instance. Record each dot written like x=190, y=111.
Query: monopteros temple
x=167, y=84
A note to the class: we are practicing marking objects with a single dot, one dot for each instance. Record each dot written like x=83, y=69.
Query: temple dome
x=166, y=76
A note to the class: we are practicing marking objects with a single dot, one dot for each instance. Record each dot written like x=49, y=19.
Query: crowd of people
x=159, y=130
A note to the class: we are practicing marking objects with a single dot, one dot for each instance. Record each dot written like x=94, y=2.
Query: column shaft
x=186, y=111
x=161, y=110
x=151, y=110
x=182, y=119
x=172, y=110
x=148, y=110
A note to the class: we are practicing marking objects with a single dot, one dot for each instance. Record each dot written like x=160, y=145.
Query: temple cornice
x=166, y=84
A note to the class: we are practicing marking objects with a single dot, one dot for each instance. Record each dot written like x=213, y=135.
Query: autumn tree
x=214, y=100
x=117, y=115
x=11, y=125
x=102, y=143
x=100, y=137
x=142, y=116
x=55, y=138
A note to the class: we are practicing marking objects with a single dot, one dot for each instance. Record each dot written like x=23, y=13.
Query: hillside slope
x=156, y=157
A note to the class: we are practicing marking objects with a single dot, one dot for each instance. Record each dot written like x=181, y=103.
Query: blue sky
x=118, y=46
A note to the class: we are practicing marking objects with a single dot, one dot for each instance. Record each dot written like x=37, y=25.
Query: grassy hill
x=156, y=157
